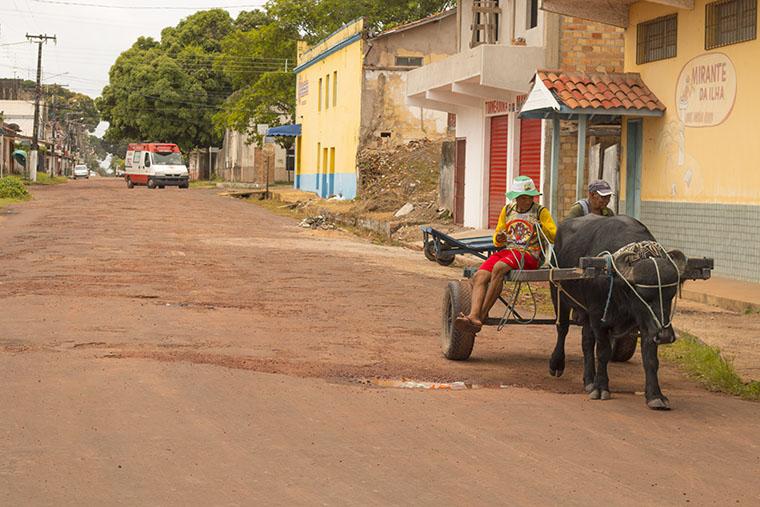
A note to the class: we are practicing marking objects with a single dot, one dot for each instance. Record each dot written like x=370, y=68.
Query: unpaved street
x=175, y=347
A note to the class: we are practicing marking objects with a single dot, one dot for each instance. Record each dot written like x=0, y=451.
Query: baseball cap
x=601, y=187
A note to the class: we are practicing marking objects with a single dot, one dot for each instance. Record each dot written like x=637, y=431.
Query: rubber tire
x=456, y=345
x=184, y=185
x=429, y=251
x=151, y=183
x=624, y=347
x=445, y=259
x=130, y=184
x=161, y=186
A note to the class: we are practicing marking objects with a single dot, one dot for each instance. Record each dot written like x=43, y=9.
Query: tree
x=258, y=56
x=169, y=90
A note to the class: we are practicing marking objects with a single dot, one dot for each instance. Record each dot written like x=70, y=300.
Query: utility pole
x=39, y=39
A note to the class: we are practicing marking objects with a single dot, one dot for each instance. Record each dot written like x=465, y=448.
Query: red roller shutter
x=497, y=171
x=530, y=150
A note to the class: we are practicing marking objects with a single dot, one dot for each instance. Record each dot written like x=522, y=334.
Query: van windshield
x=167, y=158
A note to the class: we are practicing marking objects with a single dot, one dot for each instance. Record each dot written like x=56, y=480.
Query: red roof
x=598, y=90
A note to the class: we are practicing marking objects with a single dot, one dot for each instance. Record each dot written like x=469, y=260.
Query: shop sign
x=497, y=107
x=706, y=90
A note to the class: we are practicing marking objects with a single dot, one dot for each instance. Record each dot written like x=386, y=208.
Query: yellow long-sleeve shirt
x=545, y=218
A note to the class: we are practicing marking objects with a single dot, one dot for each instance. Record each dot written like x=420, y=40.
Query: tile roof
x=598, y=90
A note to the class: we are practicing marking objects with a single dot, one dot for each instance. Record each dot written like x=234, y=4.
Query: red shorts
x=512, y=258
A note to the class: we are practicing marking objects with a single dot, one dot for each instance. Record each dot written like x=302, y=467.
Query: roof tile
x=600, y=90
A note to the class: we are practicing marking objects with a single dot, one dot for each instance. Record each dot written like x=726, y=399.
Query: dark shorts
x=512, y=257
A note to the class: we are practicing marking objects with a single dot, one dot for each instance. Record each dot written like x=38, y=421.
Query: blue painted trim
x=325, y=185
x=328, y=52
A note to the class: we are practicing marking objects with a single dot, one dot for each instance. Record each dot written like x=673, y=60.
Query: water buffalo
x=643, y=288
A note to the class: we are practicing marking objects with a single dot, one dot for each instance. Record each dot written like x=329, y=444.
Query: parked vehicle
x=81, y=171
x=155, y=165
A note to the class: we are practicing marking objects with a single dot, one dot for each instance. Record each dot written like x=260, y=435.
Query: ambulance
x=155, y=165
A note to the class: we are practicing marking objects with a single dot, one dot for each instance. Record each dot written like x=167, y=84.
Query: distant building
x=351, y=94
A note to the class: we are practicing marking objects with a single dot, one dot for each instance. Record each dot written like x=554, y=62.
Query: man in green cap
x=524, y=230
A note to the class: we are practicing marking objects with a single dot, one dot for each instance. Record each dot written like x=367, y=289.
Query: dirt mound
x=391, y=177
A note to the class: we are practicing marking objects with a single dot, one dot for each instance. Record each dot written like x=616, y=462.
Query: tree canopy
x=211, y=73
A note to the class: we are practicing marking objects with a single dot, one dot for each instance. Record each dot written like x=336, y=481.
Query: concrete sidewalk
x=726, y=293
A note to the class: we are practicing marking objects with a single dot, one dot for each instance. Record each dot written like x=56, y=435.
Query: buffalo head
x=655, y=280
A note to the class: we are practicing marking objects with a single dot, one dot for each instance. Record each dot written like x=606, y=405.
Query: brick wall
x=586, y=46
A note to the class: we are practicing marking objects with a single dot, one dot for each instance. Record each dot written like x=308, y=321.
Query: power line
x=145, y=7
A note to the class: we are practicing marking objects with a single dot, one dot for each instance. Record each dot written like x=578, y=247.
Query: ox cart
x=457, y=345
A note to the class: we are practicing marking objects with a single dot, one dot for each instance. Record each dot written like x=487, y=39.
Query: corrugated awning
x=293, y=130
x=569, y=94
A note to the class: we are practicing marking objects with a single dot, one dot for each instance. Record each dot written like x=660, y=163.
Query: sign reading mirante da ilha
x=706, y=90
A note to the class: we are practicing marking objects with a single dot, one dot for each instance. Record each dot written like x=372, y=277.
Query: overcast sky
x=90, y=33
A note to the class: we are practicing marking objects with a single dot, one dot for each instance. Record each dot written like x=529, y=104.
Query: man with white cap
x=599, y=194
x=525, y=229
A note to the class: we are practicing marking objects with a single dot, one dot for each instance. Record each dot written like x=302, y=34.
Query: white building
x=502, y=44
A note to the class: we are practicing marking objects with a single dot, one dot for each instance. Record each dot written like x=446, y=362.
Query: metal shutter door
x=497, y=172
x=530, y=150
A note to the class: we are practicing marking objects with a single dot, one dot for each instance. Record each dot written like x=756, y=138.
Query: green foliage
x=12, y=187
x=46, y=179
x=65, y=105
x=706, y=364
x=210, y=72
x=168, y=91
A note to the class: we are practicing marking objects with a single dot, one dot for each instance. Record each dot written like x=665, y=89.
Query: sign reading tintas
x=706, y=90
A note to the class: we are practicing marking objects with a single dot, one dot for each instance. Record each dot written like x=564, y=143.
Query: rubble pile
x=404, y=176
x=317, y=222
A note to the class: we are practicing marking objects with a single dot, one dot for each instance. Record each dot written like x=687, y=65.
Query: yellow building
x=690, y=175
x=350, y=93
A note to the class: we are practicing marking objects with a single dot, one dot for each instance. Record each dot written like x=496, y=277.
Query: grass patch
x=205, y=183
x=46, y=179
x=5, y=201
x=705, y=364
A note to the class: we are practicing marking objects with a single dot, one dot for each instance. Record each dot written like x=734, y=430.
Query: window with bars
x=730, y=21
x=656, y=39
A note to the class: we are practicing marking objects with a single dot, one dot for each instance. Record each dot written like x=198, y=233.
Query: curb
x=733, y=305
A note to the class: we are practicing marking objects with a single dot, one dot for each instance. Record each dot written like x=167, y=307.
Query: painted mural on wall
x=706, y=90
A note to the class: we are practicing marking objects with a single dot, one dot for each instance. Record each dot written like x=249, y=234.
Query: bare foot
x=467, y=324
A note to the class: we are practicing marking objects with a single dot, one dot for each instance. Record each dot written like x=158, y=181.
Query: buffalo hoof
x=659, y=404
x=589, y=387
x=556, y=373
x=599, y=394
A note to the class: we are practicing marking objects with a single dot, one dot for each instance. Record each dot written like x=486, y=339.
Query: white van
x=155, y=165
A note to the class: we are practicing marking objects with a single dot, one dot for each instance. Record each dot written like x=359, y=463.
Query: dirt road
x=175, y=347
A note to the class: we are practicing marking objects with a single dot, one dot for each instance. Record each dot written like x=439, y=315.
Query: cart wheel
x=430, y=251
x=130, y=184
x=151, y=183
x=623, y=347
x=445, y=259
x=456, y=345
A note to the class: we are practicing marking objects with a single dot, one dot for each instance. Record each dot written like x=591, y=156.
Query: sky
x=90, y=35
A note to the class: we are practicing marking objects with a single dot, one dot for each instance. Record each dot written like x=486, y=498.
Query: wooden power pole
x=39, y=39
